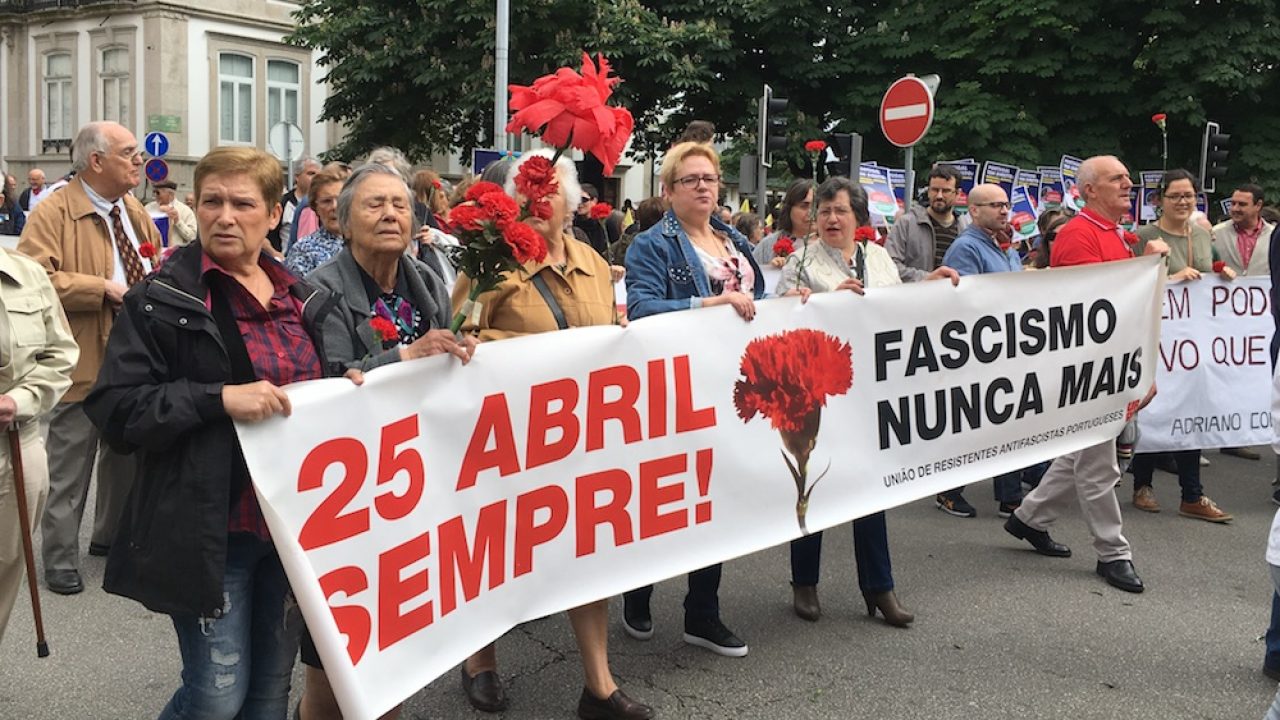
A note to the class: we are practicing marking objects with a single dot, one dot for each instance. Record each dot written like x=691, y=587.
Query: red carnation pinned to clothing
x=147, y=250
x=569, y=110
x=384, y=329
x=787, y=378
x=1130, y=239
x=784, y=247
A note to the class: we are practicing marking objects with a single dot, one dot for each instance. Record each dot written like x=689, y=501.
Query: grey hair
x=390, y=157
x=566, y=173
x=91, y=139
x=302, y=164
x=1088, y=172
x=347, y=197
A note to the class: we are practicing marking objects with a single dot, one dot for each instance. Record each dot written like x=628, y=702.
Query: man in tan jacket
x=88, y=237
x=37, y=354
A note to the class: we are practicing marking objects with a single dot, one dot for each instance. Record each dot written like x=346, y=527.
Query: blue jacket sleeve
x=648, y=269
x=963, y=258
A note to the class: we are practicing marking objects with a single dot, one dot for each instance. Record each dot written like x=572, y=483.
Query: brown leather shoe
x=805, y=602
x=1144, y=499
x=1241, y=452
x=484, y=690
x=1204, y=509
x=616, y=707
x=887, y=604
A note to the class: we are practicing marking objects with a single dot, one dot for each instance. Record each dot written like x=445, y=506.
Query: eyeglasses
x=692, y=181
x=996, y=205
x=1183, y=197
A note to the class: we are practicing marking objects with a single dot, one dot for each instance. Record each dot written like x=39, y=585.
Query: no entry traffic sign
x=157, y=170
x=906, y=112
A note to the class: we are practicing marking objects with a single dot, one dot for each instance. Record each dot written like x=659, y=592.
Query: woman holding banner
x=690, y=260
x=841, y=260
x=208, y=340
x=570, y=288
x=1190, y=257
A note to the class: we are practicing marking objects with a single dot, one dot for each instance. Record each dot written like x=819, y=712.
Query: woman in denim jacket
x=690, y=260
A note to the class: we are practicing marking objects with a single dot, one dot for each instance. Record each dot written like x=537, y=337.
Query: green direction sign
x=165, y=123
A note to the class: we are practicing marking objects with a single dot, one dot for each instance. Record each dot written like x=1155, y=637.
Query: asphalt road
x=1000, y=632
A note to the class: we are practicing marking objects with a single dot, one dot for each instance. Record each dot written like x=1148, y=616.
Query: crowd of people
x=136, y=351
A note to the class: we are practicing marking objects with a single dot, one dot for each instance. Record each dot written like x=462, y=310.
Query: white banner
x=1214, y=367
x=426, y=513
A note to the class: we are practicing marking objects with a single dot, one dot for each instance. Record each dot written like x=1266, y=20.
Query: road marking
x=906, y=111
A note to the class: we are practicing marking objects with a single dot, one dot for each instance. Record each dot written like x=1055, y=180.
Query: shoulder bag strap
x=545, y=292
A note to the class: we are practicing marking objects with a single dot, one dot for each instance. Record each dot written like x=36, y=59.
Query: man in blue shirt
x=978, y=249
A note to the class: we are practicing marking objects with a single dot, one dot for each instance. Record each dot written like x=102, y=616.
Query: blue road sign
x=156, y=144
x=157, y=170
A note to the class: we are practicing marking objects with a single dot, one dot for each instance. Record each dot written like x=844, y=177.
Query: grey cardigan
x=348, y=337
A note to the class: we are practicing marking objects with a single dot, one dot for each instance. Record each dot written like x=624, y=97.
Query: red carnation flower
x=788, y=376
x=815, y=146
x=1219, y=266
x=436, y=184
x=540, y=209
x=1159, y=119
x=570, y=111
x=536, y=179
x=499, y=207
x=480, y=189
x=467, y=217
x=147, y=250
x=384, y=329
x=866, y=233
x=525, y=242
x=1130, y=239
x=784, y=247
x=600, y=211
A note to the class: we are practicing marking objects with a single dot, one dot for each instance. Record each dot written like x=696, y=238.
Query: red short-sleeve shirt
x=1088, y=238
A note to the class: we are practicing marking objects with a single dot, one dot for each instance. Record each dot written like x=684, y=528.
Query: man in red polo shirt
x=1093, y=236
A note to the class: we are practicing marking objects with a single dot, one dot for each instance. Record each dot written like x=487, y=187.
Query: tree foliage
x=1021, y=82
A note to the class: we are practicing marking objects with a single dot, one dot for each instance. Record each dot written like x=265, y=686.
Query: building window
x=57, y=96
x=283, y=90
x=114, y=79
x=235, y=98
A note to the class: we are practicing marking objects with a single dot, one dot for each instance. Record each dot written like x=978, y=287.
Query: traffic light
x=772, y=131
x=1213, y=156
x=848, y=151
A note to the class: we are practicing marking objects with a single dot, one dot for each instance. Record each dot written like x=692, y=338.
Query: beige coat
x=37, y=352
x=1225, y=242
x=74, y=245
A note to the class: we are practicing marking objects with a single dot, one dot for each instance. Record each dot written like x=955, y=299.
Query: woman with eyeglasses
x=1190, y=258
x=690, y=259
x=792, y=222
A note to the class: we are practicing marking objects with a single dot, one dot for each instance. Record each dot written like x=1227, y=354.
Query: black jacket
x=159, y=394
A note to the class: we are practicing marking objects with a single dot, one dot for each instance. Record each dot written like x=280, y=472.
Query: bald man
x=1090, y=474
x=36, y=189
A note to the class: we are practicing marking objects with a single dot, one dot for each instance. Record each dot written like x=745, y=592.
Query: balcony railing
x=23, y=6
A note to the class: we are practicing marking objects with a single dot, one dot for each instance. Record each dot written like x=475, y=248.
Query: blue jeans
x=701, y=603
x=1007, y=488
x=239, y=665
x=1273, y=640
x=870, y=552
x=1188, y=464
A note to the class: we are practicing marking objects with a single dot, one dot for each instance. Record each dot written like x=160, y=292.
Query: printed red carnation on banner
x=784, y=247
x=600, y=211
x=787, y=378
x=569, y=110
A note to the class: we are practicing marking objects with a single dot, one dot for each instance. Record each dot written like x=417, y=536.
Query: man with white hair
x=282, y=236
x=1091, y=474
x=89, y=238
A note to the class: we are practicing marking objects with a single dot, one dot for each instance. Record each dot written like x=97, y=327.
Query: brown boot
x=887, y=604
x=1144, y=499
x=805, y=602
x=1204, y=509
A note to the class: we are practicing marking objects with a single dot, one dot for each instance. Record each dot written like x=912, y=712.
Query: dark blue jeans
x=870, y=553
x=1272, y=658
x=239, y=665
x=701, y=603
x=1007, y=488
x=1188, y=464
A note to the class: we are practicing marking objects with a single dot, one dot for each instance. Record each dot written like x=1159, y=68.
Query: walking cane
x=24, y=522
